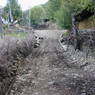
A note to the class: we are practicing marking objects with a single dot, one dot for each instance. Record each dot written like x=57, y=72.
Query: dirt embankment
x=49, y=70
x=53, y=71
x=12, y=54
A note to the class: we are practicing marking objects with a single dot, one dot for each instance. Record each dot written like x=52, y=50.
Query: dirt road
x=47, y=72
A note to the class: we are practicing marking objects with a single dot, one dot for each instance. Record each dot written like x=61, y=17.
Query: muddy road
x=47, y=71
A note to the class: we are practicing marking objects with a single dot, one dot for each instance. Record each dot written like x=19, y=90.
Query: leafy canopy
x=16, y=11
x=61, y=10
x=38, y=13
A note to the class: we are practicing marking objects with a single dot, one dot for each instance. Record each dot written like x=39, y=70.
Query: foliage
x=37, y=14
x=17, y=35
x=63, y=18
x=25, y=18
x=90, y=4
x=53, y=6
x=61, y=10
x=5, y=26
x=15, y=10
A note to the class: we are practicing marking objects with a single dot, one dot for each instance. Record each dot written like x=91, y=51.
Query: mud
x=50, y=70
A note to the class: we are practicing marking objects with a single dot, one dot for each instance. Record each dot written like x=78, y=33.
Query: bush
x=63, y=18
x=38, y=14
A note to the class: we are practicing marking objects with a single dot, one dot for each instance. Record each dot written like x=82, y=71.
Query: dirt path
x=47, y=72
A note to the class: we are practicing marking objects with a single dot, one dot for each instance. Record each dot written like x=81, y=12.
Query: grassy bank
x=14, y=34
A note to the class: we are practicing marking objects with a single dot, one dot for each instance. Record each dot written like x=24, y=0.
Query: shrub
x=63, y=18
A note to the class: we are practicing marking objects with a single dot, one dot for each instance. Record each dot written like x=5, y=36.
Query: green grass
x=16, y=35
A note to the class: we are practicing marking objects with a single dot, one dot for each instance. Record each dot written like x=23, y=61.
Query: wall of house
x=88, y=23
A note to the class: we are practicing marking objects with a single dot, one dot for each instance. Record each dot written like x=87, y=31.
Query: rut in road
x=41, y=72
x=47, y=72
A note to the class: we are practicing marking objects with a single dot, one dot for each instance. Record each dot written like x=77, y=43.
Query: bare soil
x=49, y=70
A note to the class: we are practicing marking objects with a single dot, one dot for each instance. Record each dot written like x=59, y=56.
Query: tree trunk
x=76, y=34
x=1, y=28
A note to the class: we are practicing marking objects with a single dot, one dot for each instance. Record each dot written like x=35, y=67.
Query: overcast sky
x=26, y=4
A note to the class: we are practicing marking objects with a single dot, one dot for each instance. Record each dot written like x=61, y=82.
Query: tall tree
x=12, y=10
x=1, y=28
x=61, y=10
x=38, y=13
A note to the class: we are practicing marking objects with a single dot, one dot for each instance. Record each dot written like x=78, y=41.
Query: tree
x=61, y=10
x=12, y=10
x=63, y=18
x=1, y=28
x=53, y=7
x=38, y=13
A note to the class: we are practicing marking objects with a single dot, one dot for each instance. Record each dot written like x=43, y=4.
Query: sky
x=25, y=4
